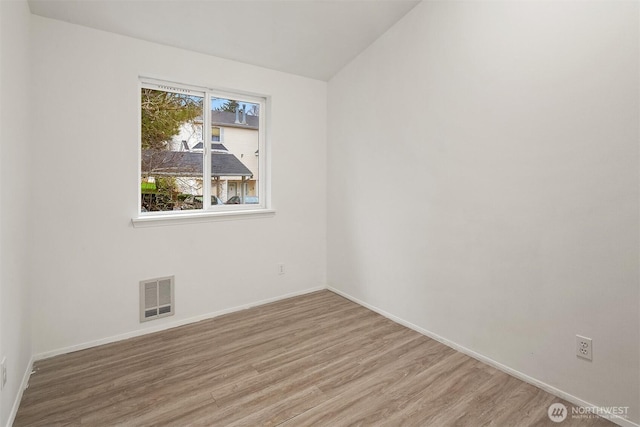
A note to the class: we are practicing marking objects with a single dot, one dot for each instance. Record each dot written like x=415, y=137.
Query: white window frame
x=208, y=211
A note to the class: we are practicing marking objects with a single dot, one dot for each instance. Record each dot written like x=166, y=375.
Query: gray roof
x=182, y=163
x=214, y=146
x=227, y=118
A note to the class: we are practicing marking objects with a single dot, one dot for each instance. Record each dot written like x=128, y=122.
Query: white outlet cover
x=584, y=347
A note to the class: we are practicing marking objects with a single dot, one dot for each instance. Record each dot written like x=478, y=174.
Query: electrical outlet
x=3, y=372
x=584, y=347
x=281, y=269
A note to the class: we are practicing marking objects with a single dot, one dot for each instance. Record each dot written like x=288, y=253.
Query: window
x=216, y=134
x=200, y=150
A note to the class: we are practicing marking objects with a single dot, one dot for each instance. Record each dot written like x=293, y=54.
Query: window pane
x=234, y=151
x=171, y=129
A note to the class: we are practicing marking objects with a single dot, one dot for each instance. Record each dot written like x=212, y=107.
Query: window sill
x=198, y=217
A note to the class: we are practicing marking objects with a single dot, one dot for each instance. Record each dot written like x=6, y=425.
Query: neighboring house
x=234, y=160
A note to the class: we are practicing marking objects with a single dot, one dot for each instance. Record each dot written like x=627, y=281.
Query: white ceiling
x=311, y=38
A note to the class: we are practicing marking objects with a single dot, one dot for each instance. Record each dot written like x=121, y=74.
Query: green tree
x=229, y=105
x=232, y=105
x=162, y=115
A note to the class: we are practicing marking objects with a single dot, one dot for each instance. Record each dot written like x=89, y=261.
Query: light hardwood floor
x=313, y=360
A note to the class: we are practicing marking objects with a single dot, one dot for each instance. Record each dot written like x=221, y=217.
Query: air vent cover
x=156, y=298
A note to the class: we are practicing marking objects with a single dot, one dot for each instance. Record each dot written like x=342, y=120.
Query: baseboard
x=23, y=385
x=165, y=326
x=517, y=374
x=514, y=373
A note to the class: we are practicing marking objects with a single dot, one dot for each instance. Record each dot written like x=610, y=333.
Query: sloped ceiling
x=310, y=38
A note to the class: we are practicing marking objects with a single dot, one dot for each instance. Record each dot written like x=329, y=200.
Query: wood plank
x=316, y=359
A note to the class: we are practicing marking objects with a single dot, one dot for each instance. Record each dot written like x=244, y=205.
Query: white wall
x=15, y=120
x=483, y=185
x=89, y=258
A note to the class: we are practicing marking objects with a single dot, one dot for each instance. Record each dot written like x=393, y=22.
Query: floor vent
x=156, y=298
